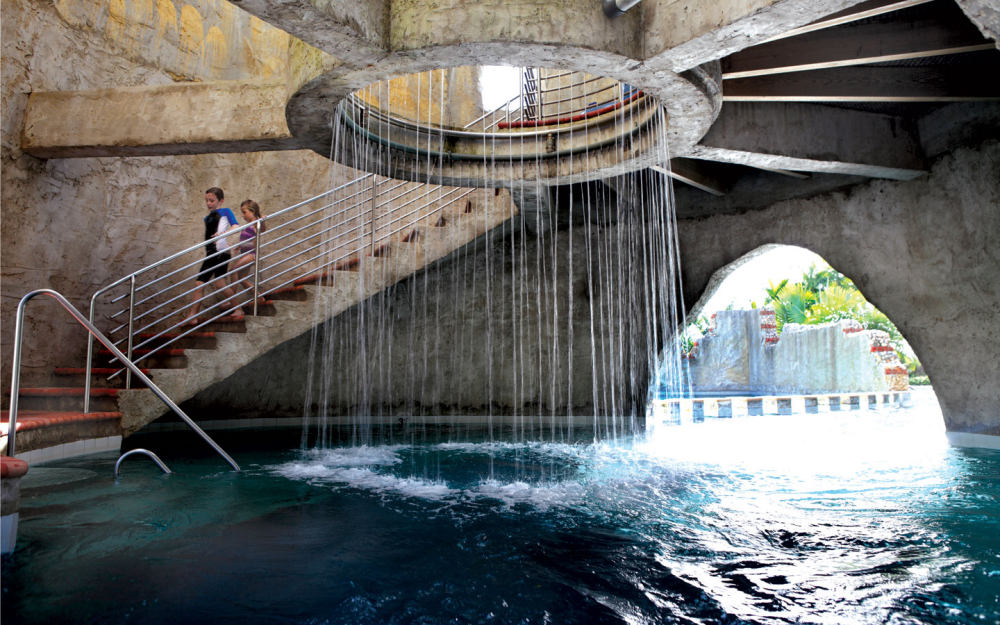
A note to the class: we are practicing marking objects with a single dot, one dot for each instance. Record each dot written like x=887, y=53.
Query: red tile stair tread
x=35, y=419
x=66, y=391
x=93, y=370
x=12, y=467
x=165, y=352
x=173, y=335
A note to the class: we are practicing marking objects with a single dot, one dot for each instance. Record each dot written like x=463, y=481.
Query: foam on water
x=370, y=468
x=542, y=497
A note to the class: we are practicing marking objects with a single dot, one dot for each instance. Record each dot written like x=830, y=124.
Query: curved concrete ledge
x=11, y=472
x=968, y=439
x=691, y=101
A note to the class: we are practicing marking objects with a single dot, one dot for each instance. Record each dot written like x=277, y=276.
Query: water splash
x=554, y=321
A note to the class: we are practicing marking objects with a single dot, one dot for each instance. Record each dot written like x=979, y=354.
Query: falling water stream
x=553, y=321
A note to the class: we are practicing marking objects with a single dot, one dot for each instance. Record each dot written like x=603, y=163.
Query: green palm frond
x=836, y=302
x=793, y=305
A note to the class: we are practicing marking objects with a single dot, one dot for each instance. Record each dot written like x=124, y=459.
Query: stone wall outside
x=737, y=357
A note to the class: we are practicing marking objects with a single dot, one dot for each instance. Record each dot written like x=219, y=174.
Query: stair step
x=348, y=264
x=322, y=278
x=295, y=293
x=93, y=370
x=166, y=358
x=228, y=324
x=167, y=351
x=264, y=309
x=37, y=429
x=75, y=376
x=193, y=340
x=67, y=398
x=34, y=419
x=68, y=391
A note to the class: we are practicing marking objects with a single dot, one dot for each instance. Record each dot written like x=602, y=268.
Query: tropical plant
x=825, y=295
x=817, y=280
x=774, y=292
x=703, y=324
x=836, y=302
x=792, y=305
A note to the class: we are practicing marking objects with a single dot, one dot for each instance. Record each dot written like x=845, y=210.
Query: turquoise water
x=861, y=517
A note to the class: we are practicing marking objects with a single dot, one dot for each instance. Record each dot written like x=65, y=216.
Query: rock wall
x=75, y=225
x=739, y=357
x=924, y=252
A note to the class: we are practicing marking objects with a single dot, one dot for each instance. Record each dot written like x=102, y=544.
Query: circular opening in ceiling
x=477, y=125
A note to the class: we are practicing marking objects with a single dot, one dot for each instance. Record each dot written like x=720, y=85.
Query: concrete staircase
x=52, y=416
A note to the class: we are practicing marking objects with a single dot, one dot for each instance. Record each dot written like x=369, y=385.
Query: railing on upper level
x=162, y=303
x=544, y=98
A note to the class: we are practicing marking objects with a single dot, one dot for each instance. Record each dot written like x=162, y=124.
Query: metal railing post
x=374, y=202
x=256, y=266
x=90, y=357
x=131, y=326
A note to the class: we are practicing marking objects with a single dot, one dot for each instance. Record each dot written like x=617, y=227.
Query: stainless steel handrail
x=154, y=320
x=376, y=112
x=172, y=257
x=15, y=382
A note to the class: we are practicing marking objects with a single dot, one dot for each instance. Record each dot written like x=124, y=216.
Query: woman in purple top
x=241, y=280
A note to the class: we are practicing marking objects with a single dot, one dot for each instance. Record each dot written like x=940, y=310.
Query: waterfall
x=555, y=322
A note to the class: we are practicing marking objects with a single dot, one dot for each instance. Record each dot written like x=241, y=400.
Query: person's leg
x=240, y=285
x=242, y=281
x=196, y=295
x=223, y=288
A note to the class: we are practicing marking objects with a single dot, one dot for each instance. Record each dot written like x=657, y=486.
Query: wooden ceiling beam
x=691, y=174
x=932, y=33
x=783, y=172
x=872, y=8
x=813, y=138
x=870, y=84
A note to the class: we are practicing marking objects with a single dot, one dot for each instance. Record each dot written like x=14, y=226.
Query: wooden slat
x=784, y=172
x=870, y=84
x=931, y=34
x=861, y=11
x=812, y=138
x=691, y=176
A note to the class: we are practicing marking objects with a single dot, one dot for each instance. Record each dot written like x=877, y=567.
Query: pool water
x=860, y=517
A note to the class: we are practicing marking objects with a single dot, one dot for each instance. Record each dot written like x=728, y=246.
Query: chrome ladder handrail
x=15, y=383
x=143, y=452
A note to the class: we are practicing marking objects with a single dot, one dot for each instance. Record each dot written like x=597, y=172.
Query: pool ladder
x=144, y=452
x=15, y=383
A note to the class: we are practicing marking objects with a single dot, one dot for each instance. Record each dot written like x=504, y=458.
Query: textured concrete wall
x=924, y=252
x=75, y=225
x=806, y=359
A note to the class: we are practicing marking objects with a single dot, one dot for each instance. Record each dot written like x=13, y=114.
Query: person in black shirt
x=218, y=221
